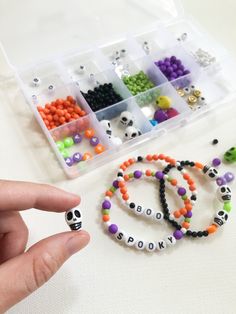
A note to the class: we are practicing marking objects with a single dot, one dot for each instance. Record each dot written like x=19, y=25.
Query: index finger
x=16, y=195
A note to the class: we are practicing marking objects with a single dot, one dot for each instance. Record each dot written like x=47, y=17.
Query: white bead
x=139, y=210
x=161, y=245
x=166, y=177
x=194, y=193
x=120, y=179
x=170, y=240
x=183, y=171
x=121, y=170
x=140, y=244
x=178, y=164
x=130, y=240
x=183, y=230
x=107, y=223
x=51, y=88
x=158, y=216
x=81, y=69
x=150, y=246
x=116, y=140
x=148, y=212
x=192, y=202
x=127, y=203
x=171, y=217
x=36, y=81
x=121, y=236
x=107, y=198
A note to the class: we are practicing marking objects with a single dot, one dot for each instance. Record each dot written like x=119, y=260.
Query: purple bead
x=159, y=63
x=163, y=68
x=186, y=72
x=174, y=75
x=173, y=58
x=69, y=161
x=159, y=175
x=180, y=73
x=137, y=174
x=160, y=115
x=77, y=138
x=181, y=191
x=181, y=67
x=175, y=67
x=178, y=62
x=113, y=228
x=116, y=184
x=189, y=214
x=220, y=181
x=229, y=176
x=167, y=64
x=77, y=157
x=106, y=204
x=216, y=162
x=94, y=141
x=169, y=69
x=178, y=234
x=167, y=59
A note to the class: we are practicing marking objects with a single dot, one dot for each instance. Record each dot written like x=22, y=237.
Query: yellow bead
x=163, y=102
x=181, y=92
x=192, y=100
x=197, y=93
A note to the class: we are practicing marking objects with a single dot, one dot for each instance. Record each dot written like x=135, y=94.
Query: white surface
x=193, y=277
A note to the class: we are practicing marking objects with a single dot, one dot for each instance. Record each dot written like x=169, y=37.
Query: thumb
x=25, y=273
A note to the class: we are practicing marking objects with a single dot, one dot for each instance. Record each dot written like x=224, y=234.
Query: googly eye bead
x=36, y=82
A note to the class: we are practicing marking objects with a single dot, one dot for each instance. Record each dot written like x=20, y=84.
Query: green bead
x=65, y=153
x=131, y=175
x=228, y=206
x=113, y=189
x=153, y=173
x=187, y=219
x=68, y=142
x=230, y=155
x=105, y=211
x=184, y=197
x=60, y=145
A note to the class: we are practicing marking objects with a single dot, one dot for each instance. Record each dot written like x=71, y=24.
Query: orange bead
x=59, y=112
x=190, y=182
x=125, y=197
x=82, y=113
x=199, y=165
x=62, y=120
x=148, y=172
x=188, y=207
x=186, y=225
x=109, y=193
x=167, y=159
x=70, y=110
x=77, y=109
x=172, y=162
x=161, y=156
x=123, y=167
x=71, y=99
x=89, y=133
x=186, y=176
x=155, y=157
x=127, y=164
x=105, y=218
x=75, y=116
x=212, y=228
x=67, y=116
x=173, y=182
x=55, y=117
x=177, y=214
x=187, y=201
x=192, y=188
x=48, y=106
x=87, y=156
x=46, y=111
x=123, y=190
x=99, y=149
x=149, y=157
x=46, y=122
x=183, y=211
x=53, y=109
x=121, y=184
x=131, y=161
x=126, y=177
x=39, y=108
x=42, y=114
x=49, y=117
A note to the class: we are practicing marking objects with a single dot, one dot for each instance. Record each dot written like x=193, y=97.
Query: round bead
x=99, y=149
x=229, y=177
x=148, y=212
x=68, y=142
x=60, y=145
x=161, y=245
x=65, y=153
x=106, y=204
x=77, y=138
x=178, y=234
x=220, y=181
x=181, y=191
x=159, y=175
x=113, y=229
x=171, y=113
x=139, y=210
x=89, y=133
x=158, y=216
x=69, y=161
x=116, y=184
x=130, y=240
x=137, y=174
x=215, y=141
x=140, y=244
x=216, y=162
x=94, y=141
x=160, y=115
x=150, y=246
x=120, y=235
x=87, y=156
x=77, y=157
x=170, y=240
x=189, y=214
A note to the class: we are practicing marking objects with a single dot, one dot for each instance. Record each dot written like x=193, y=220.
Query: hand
x=22, y=273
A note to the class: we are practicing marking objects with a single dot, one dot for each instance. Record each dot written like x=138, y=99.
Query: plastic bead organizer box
x=164, y=54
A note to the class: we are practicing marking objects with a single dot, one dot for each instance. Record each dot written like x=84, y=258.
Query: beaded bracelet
x=148, y=212
x=224, y=193
x=130, y=240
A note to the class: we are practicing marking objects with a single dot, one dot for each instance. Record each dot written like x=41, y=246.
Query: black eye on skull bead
x=69, y=216
x=222, y=214
x=77, y=214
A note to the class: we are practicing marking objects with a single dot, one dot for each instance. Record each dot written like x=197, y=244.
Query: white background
x=195, y=277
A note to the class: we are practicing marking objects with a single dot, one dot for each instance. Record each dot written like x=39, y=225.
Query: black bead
x=194, y=234
x=179, y=168
x=120, y=174
x=205, y=233
x=189, y=232
x=193, y=197
x=199, y=234
x=215, y=141
x=192, y=164
x=140, y=158
x=132, y=205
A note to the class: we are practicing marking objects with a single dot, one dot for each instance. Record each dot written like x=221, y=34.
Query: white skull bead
x=224, y=193
x=126, y=118
x=106, y=124
x=211, y=172
x=74, y=218
x=221, y=217
x=131, y=132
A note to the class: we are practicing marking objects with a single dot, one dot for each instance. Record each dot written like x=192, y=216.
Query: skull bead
x=106, y=125
x=211, y=172
x=221, y=217
x=74, y=218
x=131, y=132
x=224, y=193
x=126, y=118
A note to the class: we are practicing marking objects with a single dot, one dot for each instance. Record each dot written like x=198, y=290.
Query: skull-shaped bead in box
x=224, y=193
x=126, y=118
x=221, y=217
x=106, y=125
x=211, y=172
x=74, y=218
x=132, y=132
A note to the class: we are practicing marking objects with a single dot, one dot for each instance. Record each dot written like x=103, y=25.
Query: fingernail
x=77, y=242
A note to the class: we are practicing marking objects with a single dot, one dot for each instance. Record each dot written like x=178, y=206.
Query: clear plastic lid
x=40, y=29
